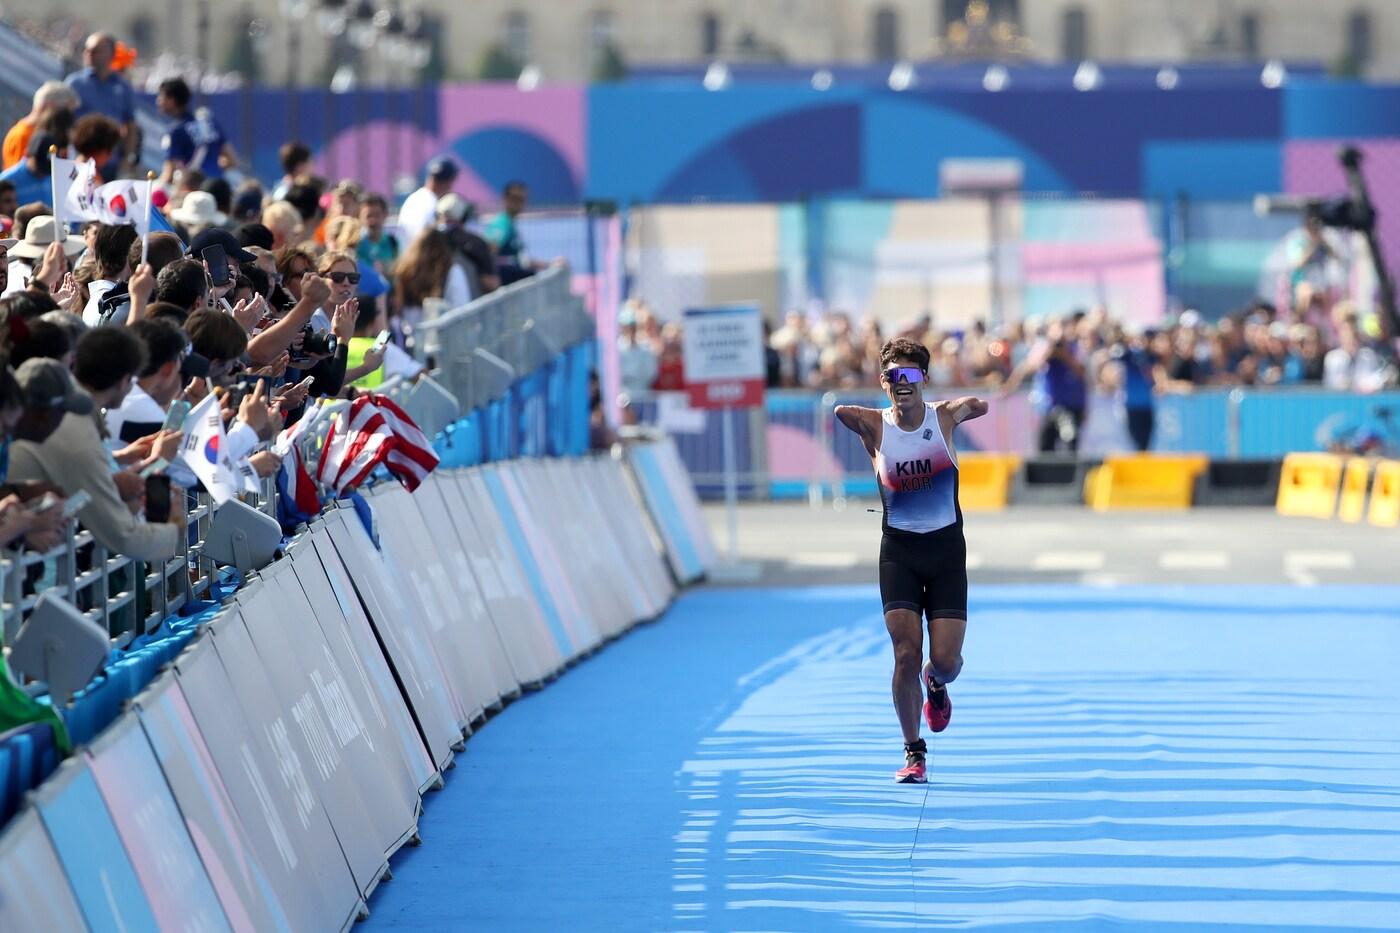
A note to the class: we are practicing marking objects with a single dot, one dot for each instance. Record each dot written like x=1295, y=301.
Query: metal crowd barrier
x=483, y=347
x=127, y=597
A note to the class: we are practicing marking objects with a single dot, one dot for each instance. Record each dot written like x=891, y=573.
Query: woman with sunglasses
x=923, y=557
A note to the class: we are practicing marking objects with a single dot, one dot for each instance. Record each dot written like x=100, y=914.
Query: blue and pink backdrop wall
x=1210, y=148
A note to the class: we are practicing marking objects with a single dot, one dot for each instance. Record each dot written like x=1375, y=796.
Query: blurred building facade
x=574, y=40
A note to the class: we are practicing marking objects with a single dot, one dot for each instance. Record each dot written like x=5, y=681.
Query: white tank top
x=918, y=476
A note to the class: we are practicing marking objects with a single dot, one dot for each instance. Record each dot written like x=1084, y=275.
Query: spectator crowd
x=266, y=300
x=1073, y=363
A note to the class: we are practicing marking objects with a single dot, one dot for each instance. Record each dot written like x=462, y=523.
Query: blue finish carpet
x=1137, y=758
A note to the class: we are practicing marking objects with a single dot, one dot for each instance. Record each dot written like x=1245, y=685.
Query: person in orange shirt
x=51, y=96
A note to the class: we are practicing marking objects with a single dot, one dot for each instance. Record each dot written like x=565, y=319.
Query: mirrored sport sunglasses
x=898, y=374
x=341, y=278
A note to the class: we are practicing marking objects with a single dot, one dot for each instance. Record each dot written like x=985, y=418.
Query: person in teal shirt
x=511, y=260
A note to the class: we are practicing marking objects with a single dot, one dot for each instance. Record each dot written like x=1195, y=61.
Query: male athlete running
x=923, y=557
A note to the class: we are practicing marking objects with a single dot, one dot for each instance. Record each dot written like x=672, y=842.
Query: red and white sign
x=724, y=364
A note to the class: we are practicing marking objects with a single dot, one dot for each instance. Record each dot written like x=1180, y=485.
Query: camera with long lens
x=314, y=343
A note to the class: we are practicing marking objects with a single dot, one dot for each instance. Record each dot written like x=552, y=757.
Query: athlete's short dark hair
x=902, y=348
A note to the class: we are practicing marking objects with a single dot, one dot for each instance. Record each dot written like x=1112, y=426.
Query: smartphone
x=158, y=498
x=175, y=417
x=382, y=340
x=155, y=466
x=75, y=503
x=216, y=260
x=306, y=383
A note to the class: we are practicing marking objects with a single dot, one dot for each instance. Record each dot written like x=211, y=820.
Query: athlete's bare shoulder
x=857, y=417
x=866, y=422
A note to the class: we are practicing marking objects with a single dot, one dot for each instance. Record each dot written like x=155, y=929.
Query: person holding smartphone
x=331, y=327
x=74, y=456
x=145, y=409
x=219, y=252
x=374, y=357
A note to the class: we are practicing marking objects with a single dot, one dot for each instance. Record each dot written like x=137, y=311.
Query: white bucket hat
x=199, y=209
x=37, y=237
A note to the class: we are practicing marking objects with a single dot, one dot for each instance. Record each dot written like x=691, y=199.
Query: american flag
x=374, y=432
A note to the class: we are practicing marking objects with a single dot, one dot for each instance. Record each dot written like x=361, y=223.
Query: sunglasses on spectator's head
x=342, y=278
x=898, y=374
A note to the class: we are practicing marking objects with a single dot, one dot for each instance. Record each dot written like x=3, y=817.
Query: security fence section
x=252, y=763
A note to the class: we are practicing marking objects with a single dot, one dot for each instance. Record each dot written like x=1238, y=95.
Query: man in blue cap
x=419, y=211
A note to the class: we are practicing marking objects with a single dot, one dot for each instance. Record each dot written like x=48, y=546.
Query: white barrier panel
x=515, y=525
x=405, y=638
x=585, y=562
x=624, y=581
x=284, y=818
x=34, y=891
x=554, y=574
x=654, y=489
x=150, y=828
x=604, y=569
x=684, y=492
x=90, y=851
x=503, y=581
x=644, y=549
x=278, y=703
x=326, y=698
x=351, y=639
x=458, y=632
x=409, y=592
x=444, y=520
x=251, y=895
x=644, y=578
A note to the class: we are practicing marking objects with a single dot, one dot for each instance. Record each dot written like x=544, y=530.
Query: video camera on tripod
x=1354, y=212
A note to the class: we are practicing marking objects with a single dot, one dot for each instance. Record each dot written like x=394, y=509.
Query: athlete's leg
x=945, y=642
x=946, y=611
x=907, y=636
x=902, y=595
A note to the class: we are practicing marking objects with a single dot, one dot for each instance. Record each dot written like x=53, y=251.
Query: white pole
x=146, y=233
x=58, y=228
x=731, y=486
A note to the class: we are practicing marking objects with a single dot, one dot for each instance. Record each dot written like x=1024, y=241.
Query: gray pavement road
x=796, y=544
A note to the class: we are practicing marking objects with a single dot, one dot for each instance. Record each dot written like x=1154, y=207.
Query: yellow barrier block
x=1091, y=482
x=1356, y=479
x=1144, y=481
x=1385, y=495
x=984, y=480
x=1308, y=485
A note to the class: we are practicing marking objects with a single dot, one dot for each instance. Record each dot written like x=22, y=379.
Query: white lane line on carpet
x=1068, y=560
x=1193, y=560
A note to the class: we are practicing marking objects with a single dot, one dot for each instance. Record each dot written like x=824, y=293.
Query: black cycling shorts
x=926, y=574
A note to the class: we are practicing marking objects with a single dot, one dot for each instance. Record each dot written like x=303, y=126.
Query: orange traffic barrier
x=1143, y=481
x=1385, y=495
x=1356, y=481
x=1309, y=484
x=984, y=480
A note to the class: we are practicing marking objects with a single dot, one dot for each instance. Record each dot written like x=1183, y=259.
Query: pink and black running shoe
x=938, y=708
x=914, y=770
